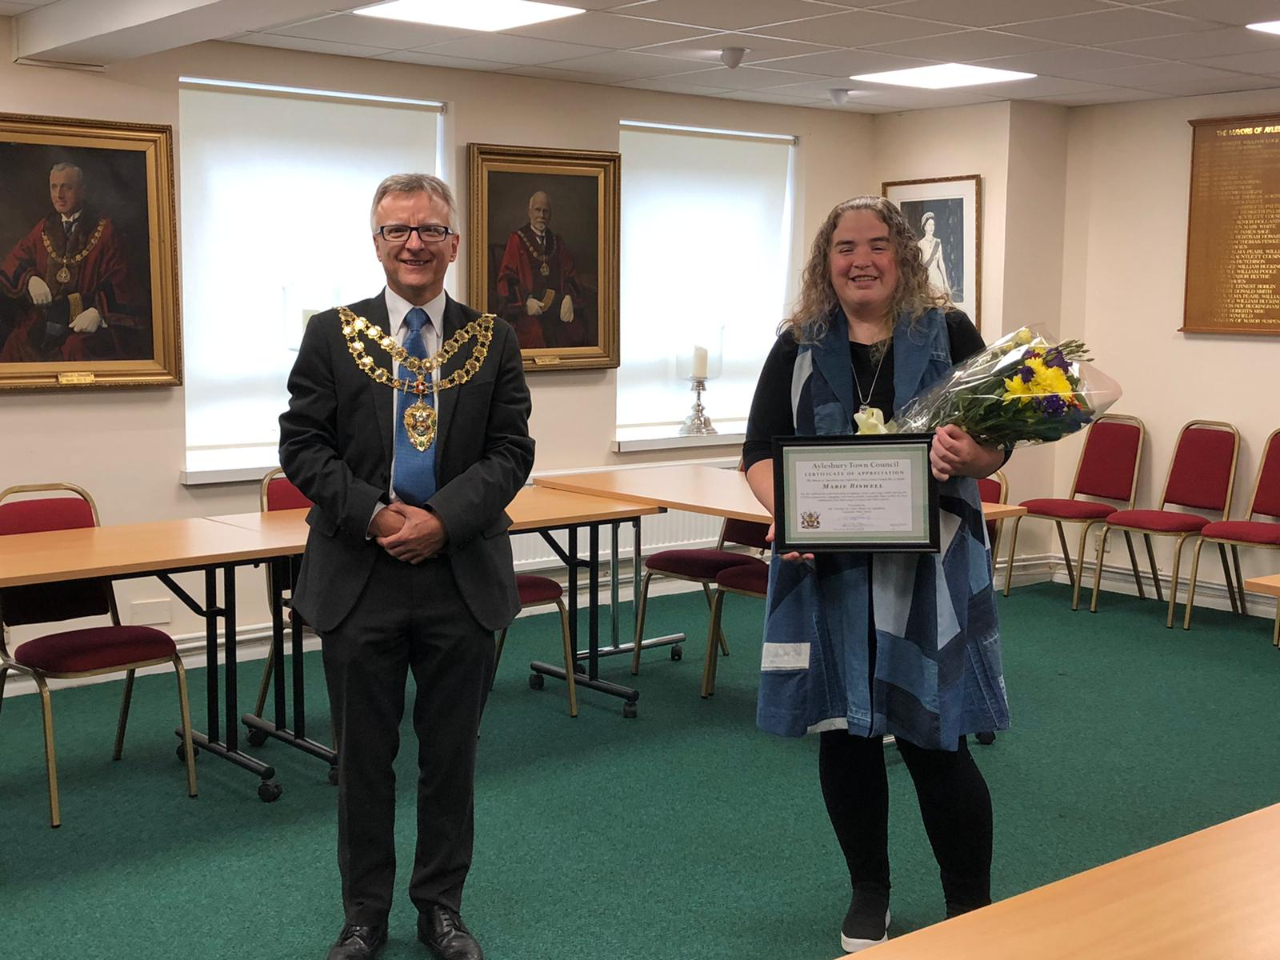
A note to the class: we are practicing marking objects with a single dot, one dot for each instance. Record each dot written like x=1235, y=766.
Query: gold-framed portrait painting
x=88, y=265
x=543, y=244
x=945, y=216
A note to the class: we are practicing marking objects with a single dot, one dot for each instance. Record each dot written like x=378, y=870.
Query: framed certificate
x=855, y=493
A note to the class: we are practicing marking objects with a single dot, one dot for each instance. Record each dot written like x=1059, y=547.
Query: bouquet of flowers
x=1024, y=388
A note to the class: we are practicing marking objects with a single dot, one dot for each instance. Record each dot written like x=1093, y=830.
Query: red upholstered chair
x=1248, y=532
x=748, y=580
x=1201, y=477
x=538, y=592
x=1107, y=470
x=277, y=493
x=703, y=567
x=994, y=489
x=84, y=652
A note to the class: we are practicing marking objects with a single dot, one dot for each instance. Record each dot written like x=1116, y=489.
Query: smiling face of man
x=415, y=269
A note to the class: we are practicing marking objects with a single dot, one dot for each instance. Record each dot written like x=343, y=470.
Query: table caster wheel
x=269, y=792
x=629, y=710
x=986, y=738
x=677, y=652
x=255, y=736
x=536, y=681
x=181, y=754
x=333, y=776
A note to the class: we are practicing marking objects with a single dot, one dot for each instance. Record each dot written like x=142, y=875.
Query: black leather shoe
x=447, y=936
x=358, y=943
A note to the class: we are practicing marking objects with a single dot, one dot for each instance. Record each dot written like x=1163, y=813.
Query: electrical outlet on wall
x=149, y=612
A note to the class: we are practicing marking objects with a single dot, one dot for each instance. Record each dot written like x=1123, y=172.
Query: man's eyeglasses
x=427, y=232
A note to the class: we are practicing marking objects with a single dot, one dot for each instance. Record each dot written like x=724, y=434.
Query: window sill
x=666, y=437
x=228, y=465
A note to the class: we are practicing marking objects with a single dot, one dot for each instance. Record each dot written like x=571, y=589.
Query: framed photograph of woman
x=88, y=275
x=945, y=215
x=543, y=245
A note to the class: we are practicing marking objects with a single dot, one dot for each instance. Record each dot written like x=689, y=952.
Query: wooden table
x=695, y=488
x=534, y=510
x=1207, y=896
x=1271, y=587
x=162, y=549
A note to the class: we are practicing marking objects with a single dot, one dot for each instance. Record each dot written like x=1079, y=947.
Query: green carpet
x=683, y=833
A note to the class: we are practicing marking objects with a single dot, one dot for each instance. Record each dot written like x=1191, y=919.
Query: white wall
x=127, y=446
x=1127, y=191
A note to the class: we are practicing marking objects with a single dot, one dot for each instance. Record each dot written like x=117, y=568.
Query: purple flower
x=1052, y=405
x=1027, y=374
x=1054, y=358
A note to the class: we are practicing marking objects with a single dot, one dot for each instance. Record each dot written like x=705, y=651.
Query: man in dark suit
x=408, y=563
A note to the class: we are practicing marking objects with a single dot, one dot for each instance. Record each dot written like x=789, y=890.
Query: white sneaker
x=861, y=936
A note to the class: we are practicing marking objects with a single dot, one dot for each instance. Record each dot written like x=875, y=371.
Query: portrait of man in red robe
x=538, y=289
x=66, y=289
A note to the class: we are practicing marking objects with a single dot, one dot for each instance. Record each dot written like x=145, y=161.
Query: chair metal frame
x=1182, y=536
x=1075, y=571
x=264, y=685
x=712, y=660
x=1001, y=479
x=8, y=665
x=569, y=658
x=1223, y=543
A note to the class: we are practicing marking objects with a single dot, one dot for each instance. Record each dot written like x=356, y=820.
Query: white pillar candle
x=700, y=362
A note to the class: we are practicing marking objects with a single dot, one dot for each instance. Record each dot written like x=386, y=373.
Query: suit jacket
x=335, y=446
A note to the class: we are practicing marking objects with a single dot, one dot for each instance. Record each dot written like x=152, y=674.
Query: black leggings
x=954, y=803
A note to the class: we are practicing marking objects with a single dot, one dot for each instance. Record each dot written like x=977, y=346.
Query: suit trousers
x=408, y=618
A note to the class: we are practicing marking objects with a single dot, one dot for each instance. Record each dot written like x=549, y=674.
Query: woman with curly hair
x=859, y=646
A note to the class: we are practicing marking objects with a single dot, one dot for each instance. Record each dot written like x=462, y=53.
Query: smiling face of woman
x=864, y=265
x=928, y=227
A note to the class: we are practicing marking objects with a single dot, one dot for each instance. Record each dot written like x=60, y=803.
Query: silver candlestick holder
x=697, y=423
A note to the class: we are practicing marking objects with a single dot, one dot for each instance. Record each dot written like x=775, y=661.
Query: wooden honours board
x=1233, y=229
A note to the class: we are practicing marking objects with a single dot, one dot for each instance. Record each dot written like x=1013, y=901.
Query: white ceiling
x=1083, y=51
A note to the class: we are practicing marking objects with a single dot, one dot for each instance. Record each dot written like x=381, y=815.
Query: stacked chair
x=84, y=652
x=1265, y=502
x=1107, y=470
x=1201, y=477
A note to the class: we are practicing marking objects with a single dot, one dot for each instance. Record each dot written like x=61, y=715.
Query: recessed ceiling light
x=487, y=15
x=944, y=75
x=1270, y=26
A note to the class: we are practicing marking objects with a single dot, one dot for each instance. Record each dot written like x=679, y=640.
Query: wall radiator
x=664, y=531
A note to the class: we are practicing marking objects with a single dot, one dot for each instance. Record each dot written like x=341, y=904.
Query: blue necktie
x=413, y=477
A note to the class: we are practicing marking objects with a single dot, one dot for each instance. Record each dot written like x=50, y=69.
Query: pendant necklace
x=865, y=408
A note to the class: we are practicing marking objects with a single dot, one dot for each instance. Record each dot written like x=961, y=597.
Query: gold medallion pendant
x=545, y=269
x=64, y=275
x=420, y=423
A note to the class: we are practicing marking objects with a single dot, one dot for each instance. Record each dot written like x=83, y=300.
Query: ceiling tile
x=990, y=13
x=1229, y=83
x=1047, y=87
x=372, y=32
x=1198, y=46
x=1074, y=63
x=623, y=65
x=519, y=50
x=858, y=28
x=1104, y=95
x=591, y=4
x=1149, y=75
x=846, y=63
x=13, y=9
x=745, y=78
x=707, y=48
x=552, y=73
x=673, y=85
x=1239, y=12
x=312, y=46
x=1109, y=26
x=726, y=14
x=908, y=98
x=1261, y=62
x=607, y=30
x=434, y=60
x=814, y=90
x=967, y=45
